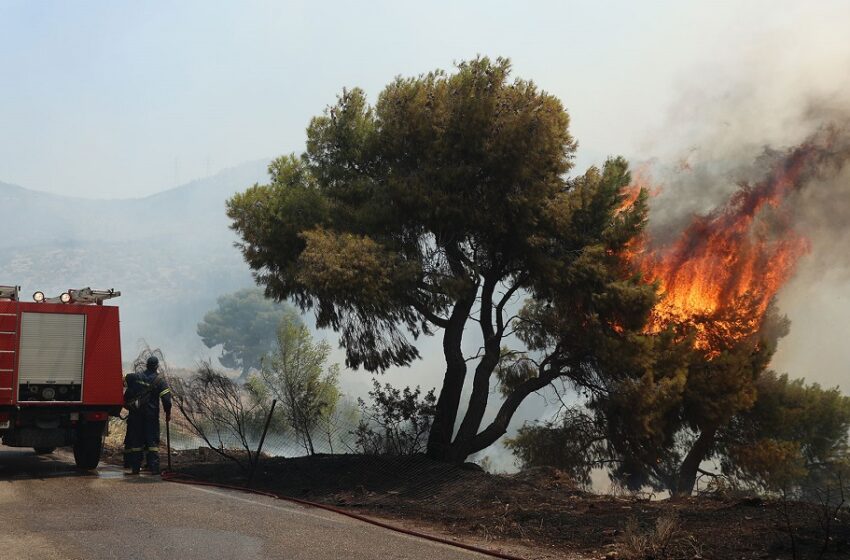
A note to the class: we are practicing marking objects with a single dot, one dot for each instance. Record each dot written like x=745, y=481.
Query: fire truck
x=60, y=371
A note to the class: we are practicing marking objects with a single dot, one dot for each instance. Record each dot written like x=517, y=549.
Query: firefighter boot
x=152, y=456
x=133, y=459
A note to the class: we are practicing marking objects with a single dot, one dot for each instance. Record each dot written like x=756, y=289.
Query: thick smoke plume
x=754, y=172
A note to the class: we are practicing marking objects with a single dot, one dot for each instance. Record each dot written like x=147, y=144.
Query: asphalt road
x=50, y=511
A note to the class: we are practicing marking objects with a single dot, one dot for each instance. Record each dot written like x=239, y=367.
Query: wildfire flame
x=727, y=265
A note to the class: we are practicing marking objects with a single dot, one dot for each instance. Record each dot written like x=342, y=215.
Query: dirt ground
x=537, y=513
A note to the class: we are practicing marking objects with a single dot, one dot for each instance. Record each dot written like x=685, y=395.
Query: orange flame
x=729, y=264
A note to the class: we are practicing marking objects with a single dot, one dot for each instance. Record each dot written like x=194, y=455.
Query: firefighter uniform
x=144, y=392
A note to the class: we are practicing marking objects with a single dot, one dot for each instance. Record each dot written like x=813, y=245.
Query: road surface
x=50, y=511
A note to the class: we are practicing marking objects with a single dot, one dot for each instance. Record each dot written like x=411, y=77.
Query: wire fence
x=366, y=453
x=337, y=469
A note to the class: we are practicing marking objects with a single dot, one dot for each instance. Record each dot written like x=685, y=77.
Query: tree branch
x=486, y=312
x=430, y=315
x=499, y=426
x=500, y=307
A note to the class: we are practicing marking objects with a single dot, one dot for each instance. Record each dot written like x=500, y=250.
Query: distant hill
x=170, y=254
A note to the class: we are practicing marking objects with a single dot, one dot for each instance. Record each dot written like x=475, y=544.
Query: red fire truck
x=60, y=371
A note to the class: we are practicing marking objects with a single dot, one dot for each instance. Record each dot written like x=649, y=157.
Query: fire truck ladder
x=8, y=341
x=87, y=295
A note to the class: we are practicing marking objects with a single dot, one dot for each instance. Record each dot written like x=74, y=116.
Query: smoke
x=736, y=119
x=816, y=299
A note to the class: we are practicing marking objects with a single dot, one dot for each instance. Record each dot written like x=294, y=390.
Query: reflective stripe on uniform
x=152, y=449
x=165, y=391
x=133, y=449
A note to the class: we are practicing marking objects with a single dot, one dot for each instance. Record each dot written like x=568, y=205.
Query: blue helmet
x=152, y=363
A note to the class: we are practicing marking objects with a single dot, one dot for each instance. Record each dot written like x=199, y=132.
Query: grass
x=666, y=540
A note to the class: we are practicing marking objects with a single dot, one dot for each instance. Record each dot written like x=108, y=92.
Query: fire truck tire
x=44, y=450
x=89, y=444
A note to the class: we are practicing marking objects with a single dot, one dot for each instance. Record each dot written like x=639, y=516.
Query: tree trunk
x=690, y=465
x=308, y=438
x=481, y=380
x=445, y=416
x=499, y=426
x=477, y=403
x=492, y=334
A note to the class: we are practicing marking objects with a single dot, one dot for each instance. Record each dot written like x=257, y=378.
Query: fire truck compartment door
x=52, y=347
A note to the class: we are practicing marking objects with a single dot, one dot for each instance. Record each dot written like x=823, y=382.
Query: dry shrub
x=221, y=412
x=665, y=541
x=619, y=491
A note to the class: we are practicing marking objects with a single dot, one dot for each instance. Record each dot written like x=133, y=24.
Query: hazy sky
x=124, y=99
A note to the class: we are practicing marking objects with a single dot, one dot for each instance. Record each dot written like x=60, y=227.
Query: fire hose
x=184, y=479
x=172, y=476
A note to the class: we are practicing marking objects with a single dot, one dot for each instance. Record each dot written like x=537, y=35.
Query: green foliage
x=297, y=375
x=794, y=434
x=769, y=464
x=395, y=422
x=513, y=369
x=359, y=225
x=244, y=323
x=643, y=423
x=452, y=189
x=572, y=443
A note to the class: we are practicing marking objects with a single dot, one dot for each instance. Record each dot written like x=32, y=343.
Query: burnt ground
x=538, y=513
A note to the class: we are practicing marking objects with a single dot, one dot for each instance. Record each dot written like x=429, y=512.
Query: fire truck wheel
x=89, y=445
x=44, y=450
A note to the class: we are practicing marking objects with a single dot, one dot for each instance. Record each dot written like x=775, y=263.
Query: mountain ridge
x=264, y=162
x=171, y=253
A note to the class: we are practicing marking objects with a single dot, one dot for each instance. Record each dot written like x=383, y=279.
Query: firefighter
x=144, y=392
x=126, y=430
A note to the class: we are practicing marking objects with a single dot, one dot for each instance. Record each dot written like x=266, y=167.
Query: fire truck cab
x=60, y=371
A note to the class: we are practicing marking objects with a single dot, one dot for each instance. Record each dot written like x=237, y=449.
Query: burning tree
x=718, y=280
x=663, y=425
x=708, y=341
